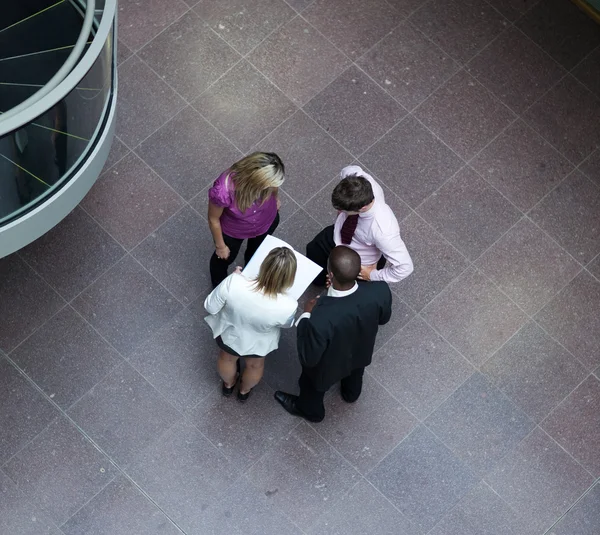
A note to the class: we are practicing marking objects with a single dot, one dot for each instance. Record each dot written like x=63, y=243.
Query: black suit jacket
x=340, y=334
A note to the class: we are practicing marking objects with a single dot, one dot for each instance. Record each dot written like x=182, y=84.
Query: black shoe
x=288, y=402
x=242, y=398
x=227, y=391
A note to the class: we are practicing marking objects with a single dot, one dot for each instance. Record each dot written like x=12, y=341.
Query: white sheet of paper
x=305, y=274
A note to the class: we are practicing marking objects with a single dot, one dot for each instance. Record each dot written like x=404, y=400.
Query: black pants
x=310, y=401
x=218, y=267
x=319, y=249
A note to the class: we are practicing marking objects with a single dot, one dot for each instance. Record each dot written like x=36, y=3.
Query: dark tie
x=348, y=228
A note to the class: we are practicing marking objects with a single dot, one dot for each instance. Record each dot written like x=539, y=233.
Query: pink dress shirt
x=255, y=221
x=377, y=233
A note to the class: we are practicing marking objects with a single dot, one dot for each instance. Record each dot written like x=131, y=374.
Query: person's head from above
x=255, y=177
x=353, y=195
x=343, y=267
x=277, y=272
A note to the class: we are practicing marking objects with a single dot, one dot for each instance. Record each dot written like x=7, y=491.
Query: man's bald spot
x=344, y=263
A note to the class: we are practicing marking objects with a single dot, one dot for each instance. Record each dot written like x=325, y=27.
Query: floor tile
x=438, y=263
x=594, y=267
x=145, y=102
x=412, y=161
x=25, y=412
x=534, y=371
x=188, y=153
x=419, y=368
x=588, y=72
x=528, y=266
x=571, y=215
x=299, y=5
x=422, y=457
x=591, y=166
x=246, y=512
x=368, y=21
x=355, y=111
x=575, y=424
x=27, y=302
x=583, y=518
x=244, y=23
x=189, y=56
x=126, y=305
x=401, y=315
x=539, y=480
x=408, y=65
x=303, y=475
x=521, y=165
x=123, y=414
x=299, y=61
x=123, y=52
x=562, y=30
x=243, y=432
x=469, y=213
x=130, y=201
x=474, y=316
x=513, y=9
x=73, y=254
x=183, y=473
x=479, y=424
x=120, y=509
x=573, y=318
x=360, y=511
x=311, y=157
x=60, y=470
x=464, y=115
x=139, y=22
x=460, y=28
x=180, y=361
x=20, y=517
x=244, y=106
x=515, y=70
x=356, y=429
x=481, y=512
x=117, y=152
x=175, y=253
x=568, y=116
x=283, y=369
x=66, y=357
x=298, y=230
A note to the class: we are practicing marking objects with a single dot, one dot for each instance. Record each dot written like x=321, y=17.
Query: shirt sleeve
x=393, y=248
x=289, y=323
x=218, y=297
x=219, y=194
x=303, y=316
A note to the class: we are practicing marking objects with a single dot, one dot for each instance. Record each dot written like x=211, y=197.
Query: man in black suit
x=336, y=336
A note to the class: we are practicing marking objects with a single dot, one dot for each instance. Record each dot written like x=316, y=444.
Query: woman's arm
x=214, y=223
x=218, y=297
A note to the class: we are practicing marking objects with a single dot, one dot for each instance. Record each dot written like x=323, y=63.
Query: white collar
x=332, y=292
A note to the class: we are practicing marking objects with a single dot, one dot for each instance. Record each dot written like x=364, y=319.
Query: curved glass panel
x=37, y=159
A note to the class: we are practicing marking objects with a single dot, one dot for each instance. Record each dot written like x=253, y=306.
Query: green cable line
x=31, y=16
x=41, y=52
x=28, y=172
x=55, y=130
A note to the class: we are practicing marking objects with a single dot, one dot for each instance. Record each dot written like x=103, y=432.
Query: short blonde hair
x=255, y=177
x=277, y=272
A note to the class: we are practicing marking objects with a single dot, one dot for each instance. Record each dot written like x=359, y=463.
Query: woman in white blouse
x=246, y=316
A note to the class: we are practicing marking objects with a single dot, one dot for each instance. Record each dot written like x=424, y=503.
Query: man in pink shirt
x=366, y=224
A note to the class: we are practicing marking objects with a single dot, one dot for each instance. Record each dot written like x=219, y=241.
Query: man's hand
x=238, y=270
x=308, y=307
x=365, y=272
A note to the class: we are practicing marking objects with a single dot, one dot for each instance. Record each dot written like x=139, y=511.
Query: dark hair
x=344, y=263
x=352, y=193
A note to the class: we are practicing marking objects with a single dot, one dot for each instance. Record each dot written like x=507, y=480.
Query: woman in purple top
x=243, y=205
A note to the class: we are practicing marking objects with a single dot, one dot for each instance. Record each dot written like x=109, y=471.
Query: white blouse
x=247, y=320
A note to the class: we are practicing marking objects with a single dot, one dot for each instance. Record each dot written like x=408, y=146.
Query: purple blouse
x=255, y=221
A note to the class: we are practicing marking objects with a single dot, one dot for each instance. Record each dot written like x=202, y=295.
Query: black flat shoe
x=227, y=391
x=242, y=398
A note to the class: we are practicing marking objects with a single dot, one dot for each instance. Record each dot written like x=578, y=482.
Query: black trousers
x=218, y=267
x=319, y=249
x=310, y=401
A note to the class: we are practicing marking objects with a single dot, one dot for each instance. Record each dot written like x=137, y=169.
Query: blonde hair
x=255, y=176
x=277, y=272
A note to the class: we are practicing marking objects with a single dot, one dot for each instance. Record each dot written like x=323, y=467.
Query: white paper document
x=305, y=274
